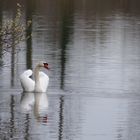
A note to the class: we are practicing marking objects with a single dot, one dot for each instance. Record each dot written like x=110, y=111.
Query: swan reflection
x=41, y=107
x=27, y=101
x=36, y=102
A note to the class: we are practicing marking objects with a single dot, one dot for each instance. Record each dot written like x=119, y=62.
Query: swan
x=41, y=79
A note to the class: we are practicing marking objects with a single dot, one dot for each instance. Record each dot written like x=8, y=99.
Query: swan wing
x=44, y=81
x=26, y=82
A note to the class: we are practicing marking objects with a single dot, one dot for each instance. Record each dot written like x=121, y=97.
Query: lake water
x=93, y=51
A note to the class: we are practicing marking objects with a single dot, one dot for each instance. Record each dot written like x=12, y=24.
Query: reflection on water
x=35, y=101
x=41, y=106
x=27, y=101
x=72, y=117
x=93, y=52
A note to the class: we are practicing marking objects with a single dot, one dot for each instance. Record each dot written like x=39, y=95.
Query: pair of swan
x=41, y=79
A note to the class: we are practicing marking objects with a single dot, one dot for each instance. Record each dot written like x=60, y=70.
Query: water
x=93, y=51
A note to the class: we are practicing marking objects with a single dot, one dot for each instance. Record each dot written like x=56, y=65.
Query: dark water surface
x=93, y=50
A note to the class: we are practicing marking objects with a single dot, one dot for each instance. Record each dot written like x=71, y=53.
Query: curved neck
x=36, y=73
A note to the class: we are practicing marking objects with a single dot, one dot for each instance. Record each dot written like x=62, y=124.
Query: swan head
x=43, y=64
x=46, y=65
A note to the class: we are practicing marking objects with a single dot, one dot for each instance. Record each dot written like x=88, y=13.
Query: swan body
x=41, y=79
x=27, y=83
x=42, y=84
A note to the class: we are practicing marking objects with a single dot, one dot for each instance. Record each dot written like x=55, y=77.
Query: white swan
x=41, y=79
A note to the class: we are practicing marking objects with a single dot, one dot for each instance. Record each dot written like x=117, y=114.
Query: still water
x=93, y=50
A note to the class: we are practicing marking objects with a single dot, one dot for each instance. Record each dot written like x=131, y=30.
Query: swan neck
x=37, y=69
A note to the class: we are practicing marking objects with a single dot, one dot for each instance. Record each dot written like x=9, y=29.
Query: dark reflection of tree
x=29, y=10
x=13, y=53
x=26, y=137
x=12, y=118
x=67, y=21
x=12, y=65
x=0, y=37
x=61, y=117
